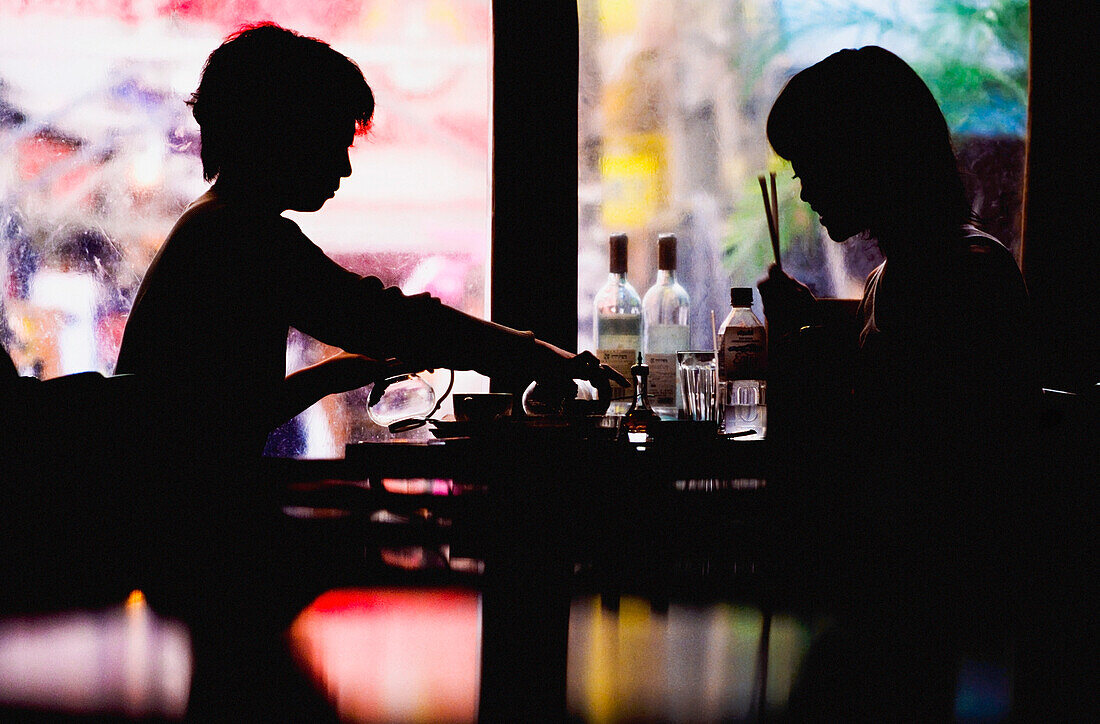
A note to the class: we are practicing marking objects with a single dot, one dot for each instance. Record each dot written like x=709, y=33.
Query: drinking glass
x=697, y=377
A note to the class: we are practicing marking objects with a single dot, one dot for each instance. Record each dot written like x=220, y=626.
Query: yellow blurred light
x=618, y=17
x=632, y=170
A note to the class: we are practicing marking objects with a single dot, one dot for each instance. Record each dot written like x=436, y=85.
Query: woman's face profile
x=832, y=190
x=313, y=166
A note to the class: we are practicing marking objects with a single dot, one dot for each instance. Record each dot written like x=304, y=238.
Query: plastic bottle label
x=743, y=355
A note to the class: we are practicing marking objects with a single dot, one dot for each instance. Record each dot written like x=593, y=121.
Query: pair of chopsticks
x=771, y=209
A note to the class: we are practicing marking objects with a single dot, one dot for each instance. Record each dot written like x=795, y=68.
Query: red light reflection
x=394, y=655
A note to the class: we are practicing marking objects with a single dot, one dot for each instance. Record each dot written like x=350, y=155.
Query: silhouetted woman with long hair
x=911, y=423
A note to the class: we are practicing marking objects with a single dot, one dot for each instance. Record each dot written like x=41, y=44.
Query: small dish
x=482, y=407
x=447, y=429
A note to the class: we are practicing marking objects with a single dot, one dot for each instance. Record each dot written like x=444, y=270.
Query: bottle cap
x=617, y=255
x=666, y=252
x=740, y=296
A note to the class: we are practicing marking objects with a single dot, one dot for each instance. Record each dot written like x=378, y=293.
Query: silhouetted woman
x=916, y=416
x=277, y=113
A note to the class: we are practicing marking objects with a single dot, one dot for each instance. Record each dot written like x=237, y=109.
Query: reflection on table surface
x=413, y=655
x=123, y=661
x=394, y=655
x=660, y=564
x=634, y=662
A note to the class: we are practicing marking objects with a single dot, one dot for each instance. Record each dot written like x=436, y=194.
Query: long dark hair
x=265, y=82
x=867, y=108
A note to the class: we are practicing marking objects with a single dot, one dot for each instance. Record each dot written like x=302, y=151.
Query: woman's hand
x=788, y=303
x=558, y=368
x=345, y=371
x=556, y=379
x=583, y=366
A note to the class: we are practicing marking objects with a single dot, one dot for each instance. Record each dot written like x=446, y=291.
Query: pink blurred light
x=394, y=655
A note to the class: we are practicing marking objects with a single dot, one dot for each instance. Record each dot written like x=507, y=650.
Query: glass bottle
x=742, y=361
x=665, y=307
x=618, y=322
x=640, y=418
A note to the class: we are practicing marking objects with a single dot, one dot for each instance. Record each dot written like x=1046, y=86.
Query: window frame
x=534, y=173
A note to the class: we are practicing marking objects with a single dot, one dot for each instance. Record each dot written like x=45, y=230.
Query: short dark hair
x=266, y=82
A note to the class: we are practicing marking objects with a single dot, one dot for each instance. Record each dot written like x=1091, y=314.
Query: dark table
x=553, y=511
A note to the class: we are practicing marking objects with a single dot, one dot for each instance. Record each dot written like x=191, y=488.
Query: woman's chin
x=841, y=233
x=309, y=205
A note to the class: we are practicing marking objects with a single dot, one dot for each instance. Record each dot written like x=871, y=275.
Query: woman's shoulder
x=215, y=226
x=215, y=209
x=985, y=263
x=983, y=285
x=979, y=247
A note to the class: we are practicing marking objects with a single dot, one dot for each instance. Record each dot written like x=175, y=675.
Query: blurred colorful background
x=99, y=155
x=673, y=101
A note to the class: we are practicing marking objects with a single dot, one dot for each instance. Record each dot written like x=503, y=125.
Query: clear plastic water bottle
x=742, y=362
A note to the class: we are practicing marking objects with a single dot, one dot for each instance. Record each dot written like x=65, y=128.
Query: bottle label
x=621, y=360
x=662, y=378
x=743, y=355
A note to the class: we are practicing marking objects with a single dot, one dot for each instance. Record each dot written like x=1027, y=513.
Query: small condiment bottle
x=640, y=418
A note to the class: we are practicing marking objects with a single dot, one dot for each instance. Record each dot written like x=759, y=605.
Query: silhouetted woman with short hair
x=277, y=113
x=907, y=429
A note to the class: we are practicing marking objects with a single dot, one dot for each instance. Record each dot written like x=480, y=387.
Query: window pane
x=673, y=101
x=99, y=155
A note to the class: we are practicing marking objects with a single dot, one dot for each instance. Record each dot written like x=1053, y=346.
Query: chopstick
x=771, y=210
x=775, y=210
